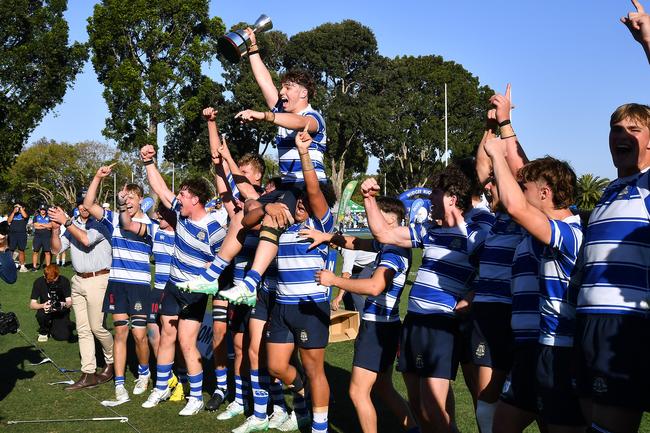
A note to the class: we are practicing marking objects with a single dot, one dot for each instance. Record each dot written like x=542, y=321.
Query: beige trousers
x=87, y=300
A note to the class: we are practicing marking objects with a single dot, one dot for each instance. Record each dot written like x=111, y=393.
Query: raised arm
x=244, y=186
x=261, y=73
x=380, y=229
x=639, y=25
x=316, y=198
x=483, y=162
x=286, y=120
x=156, y=181
x=516, y=157
x=89, y=200
x=59, y=218
x=511, y=195
x=126, y=222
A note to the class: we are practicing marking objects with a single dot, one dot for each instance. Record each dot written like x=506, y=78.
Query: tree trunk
x=338, y=174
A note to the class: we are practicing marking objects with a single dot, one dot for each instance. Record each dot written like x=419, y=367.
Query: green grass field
x=25, y=393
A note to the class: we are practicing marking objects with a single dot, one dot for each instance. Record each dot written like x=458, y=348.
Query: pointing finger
x=508, y=91
x=638, y=6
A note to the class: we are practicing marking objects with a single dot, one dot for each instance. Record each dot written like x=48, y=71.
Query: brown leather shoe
x=105, y=375
x=87, y=380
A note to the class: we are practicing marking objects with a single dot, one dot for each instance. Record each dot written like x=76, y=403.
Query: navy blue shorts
x=519, y=388
x=306, y=325
x=238, y=316
x=613, y=358
x=17, y=241
x=492, y=341
x=41, y=243
x=286, y=194
x=465, y=338
x=557, y=400
x=263, y=306
x=155, y=296
x=376, y=345
x=185, y=305
x=428, y=346
x=124, y=298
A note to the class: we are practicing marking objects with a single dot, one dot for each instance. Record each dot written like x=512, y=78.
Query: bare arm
x=381, y=230
x=639, y=25
x=347, y=242
x=315, y=196
x=156, y=181
x=89, y=200
x=292, y=121
x=125, y=219
x=373, y=286
x=261, y=73
x=483, y=163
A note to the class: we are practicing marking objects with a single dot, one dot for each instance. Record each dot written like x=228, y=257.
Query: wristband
x=504, y=123
x=509, y=136
x=148, y=162
x=269, y=116
x=67, y=223
x=250, y=53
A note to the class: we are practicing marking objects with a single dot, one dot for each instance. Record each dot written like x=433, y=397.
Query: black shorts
x=465, y=338
x=124, y=298
x=557, y=400
x=185, y=305
x=286, y=194
x=428, y=346
x=155, y=296
x=263, y=306
x=306, y=324
x=238, y=316
x=17, y=241
x=519, y=388
x=613, y=357
x=41, y=243
x=492, y=341
x=376, y=345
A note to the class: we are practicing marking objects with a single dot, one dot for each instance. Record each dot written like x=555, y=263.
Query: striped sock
x=222, y=381
x=163, y=374
x=143, y=370
x=319, y=423
x=260, y=396
x=196, y=385
x=246, y=387
x=215, y=269
x=276, y=392
x=119, y=380
x=238, y=392
x=252, y=280
x=181, y=373
x=300, y=405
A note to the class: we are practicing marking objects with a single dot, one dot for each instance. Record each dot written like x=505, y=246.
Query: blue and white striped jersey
x=196, y=244
x=163, y=250
x=290, y=166
x=495, y=261
x=385, y=306
x=445, y=273
x=297, y=264
x=617, y=250
x=543, y=309
x=131, y=252
x=480, y=221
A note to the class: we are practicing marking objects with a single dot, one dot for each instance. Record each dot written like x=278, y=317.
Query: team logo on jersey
x=137, y=306
x=303, y=336
x=480, y=350
x=200, y=236
x=419, y=362
x=599, y=385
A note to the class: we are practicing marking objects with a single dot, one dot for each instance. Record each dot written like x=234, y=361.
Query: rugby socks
x=238, y=390
x=222, y=381
x=260, y=396
x=163, y=374
x=252, y=280
x=276, y=393
x=319, y=422
x=119, y=380
x=216, y=268
x=300, y=405
x=143, y=370
x=196, y=385
x=485, y=415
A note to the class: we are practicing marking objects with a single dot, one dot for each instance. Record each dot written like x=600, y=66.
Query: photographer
x=18, y=233
x=52, y=299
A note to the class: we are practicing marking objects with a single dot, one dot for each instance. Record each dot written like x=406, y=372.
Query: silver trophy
x=234, y=45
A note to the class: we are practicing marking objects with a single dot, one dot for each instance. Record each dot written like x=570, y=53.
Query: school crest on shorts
x=137, y=306
x=480, y=350
x=599, y=385
x=303, y=336
x=200, y=236
x=419, y=362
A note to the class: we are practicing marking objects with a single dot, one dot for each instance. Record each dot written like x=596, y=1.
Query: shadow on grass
x=13, y=367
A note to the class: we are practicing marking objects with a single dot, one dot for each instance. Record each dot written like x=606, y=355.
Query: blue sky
x=571, y=63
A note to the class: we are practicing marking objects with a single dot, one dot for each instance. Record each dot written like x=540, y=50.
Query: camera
x=56, y=303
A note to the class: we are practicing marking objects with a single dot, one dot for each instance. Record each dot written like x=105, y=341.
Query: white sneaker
x=141, y=384
x=239, y=294
x=231, y=411
x=193, y=406
x=293, y=423
x=121, y=396
x=199, y=285
x=42, y=338
x=278, y=417
x=156, y=397
x=23, y=269
x=252, y=424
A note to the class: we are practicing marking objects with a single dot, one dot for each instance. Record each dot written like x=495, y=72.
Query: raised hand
x=638, y=23
x=325, y=277
x=224, y=150
x=104, y=170
x=303, y=139
x=147, y=152
x=210, y=114
x=251, y=35
x=247, y=116
x=317, y=237
x=491, y=119
x=370, y=188
x=121, y=196
x=495, y=147
x=502, y=105
x=57, y=215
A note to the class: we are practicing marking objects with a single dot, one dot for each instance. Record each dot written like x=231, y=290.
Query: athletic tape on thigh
x=138, y=322
x=270, y=234
x=219, y=314
x=117, y=323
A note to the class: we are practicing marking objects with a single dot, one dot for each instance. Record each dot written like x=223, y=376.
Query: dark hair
x=132, y=187
x=327, y=188
x=275, y=180
x=468, y=167
x=199, y=187
x=302, y=78
x=253, y=159
x=392, y=205
x=452, y=181
x=559, y=176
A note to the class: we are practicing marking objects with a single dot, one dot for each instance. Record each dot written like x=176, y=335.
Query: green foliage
x=36, y=68
x=146, y=54
x=590, y=188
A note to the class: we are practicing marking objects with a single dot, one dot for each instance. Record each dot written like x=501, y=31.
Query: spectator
x=18, y=233
x=52, y=299
x=42, y=233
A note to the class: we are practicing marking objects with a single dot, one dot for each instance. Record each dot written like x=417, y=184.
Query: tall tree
x=590, y=188
x=144, y=53
x=36, y=68
x=408, y=133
